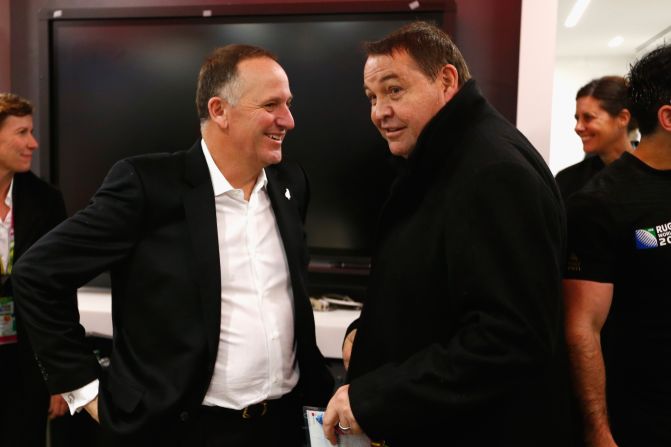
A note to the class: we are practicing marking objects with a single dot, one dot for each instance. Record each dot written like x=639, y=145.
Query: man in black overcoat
x=460, y=338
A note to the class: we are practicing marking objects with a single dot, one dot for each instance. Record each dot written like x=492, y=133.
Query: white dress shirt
x=256, y=354
x=5, y=229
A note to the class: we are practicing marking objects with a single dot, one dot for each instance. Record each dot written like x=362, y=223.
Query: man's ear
x=218, y=110
x=449, y=79
x=664, y=117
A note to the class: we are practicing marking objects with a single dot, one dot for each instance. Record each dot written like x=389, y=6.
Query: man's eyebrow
x=278, y=99
x=384, y=79
x=388, y=77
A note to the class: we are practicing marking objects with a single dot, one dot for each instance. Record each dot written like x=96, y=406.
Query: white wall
x=547, y=85
x=536, y=70
x=569, y=75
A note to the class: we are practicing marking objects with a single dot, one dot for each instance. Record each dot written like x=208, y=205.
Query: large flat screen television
x=123, y=86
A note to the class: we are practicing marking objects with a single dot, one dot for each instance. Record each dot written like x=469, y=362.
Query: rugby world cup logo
x=646, y=238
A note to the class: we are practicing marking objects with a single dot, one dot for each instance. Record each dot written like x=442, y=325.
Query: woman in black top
x=603, y=123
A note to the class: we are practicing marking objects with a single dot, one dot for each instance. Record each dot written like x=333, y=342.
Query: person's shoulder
x=155, y=159
x=575, y=169
x=618, y=176
x=287, y=170
x=485, y=141
x=604, y=189
x=161, y=166
x=29, y=181
x=489, y=127
x=504, y=147
x=494, y=139
x=155, y=172
x=575, y=177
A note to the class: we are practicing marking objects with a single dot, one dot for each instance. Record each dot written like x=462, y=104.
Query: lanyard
x=10, y=261
x=7, y=316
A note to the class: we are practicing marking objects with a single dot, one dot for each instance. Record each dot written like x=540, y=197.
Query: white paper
x=316, y=436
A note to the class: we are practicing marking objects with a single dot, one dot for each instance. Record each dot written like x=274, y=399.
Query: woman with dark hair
x=603, y=123
x=29, y=208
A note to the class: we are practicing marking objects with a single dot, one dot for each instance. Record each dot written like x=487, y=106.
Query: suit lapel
x=201, y=220
x=286, y=215
x=25, y=214
x=290, y=226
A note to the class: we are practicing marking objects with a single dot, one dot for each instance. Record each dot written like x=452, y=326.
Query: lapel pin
x=287, y=194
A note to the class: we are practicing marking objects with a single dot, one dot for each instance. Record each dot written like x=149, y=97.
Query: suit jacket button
x=184, y=416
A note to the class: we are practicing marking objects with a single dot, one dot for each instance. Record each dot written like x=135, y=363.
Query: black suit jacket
x=152, y=224
x=460, y=338
x=37, y=208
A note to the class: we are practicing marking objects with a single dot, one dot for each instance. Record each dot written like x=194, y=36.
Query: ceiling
x=638, y=22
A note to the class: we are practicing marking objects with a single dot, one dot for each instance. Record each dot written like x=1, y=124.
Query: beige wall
x=5, y=83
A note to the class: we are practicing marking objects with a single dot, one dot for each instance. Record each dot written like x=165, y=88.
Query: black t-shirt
x=619, y=228
x=571, y=179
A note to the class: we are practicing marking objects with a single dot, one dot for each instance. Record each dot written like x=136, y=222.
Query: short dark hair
x=13, y=105
x=220, y=70
x=429, y=46
x=611, y=92
x=650, y=87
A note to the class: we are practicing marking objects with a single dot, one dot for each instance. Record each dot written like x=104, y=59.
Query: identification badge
x=7, y=321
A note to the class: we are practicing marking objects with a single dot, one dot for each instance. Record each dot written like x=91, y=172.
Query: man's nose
x=285, y=119
x=381, y=111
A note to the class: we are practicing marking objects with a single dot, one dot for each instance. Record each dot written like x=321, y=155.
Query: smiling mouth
x=392, y=131
x=274, y=137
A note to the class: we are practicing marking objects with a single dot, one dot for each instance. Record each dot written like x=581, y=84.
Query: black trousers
x=280, y=424
x=25, y=400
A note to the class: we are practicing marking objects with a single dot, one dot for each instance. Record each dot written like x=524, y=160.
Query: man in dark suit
x=29, y=207
x=214, y=339
x=460, y=337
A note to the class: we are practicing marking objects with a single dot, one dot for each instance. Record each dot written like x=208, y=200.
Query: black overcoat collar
x=437, y=144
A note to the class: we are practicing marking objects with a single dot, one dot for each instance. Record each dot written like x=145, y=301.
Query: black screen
x=121, y=87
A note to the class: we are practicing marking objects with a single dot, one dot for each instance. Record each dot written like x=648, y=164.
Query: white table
x=95, y=309
x=330, y=329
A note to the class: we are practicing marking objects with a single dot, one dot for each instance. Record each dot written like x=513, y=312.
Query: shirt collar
x=8, y=199
x=219, y=183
